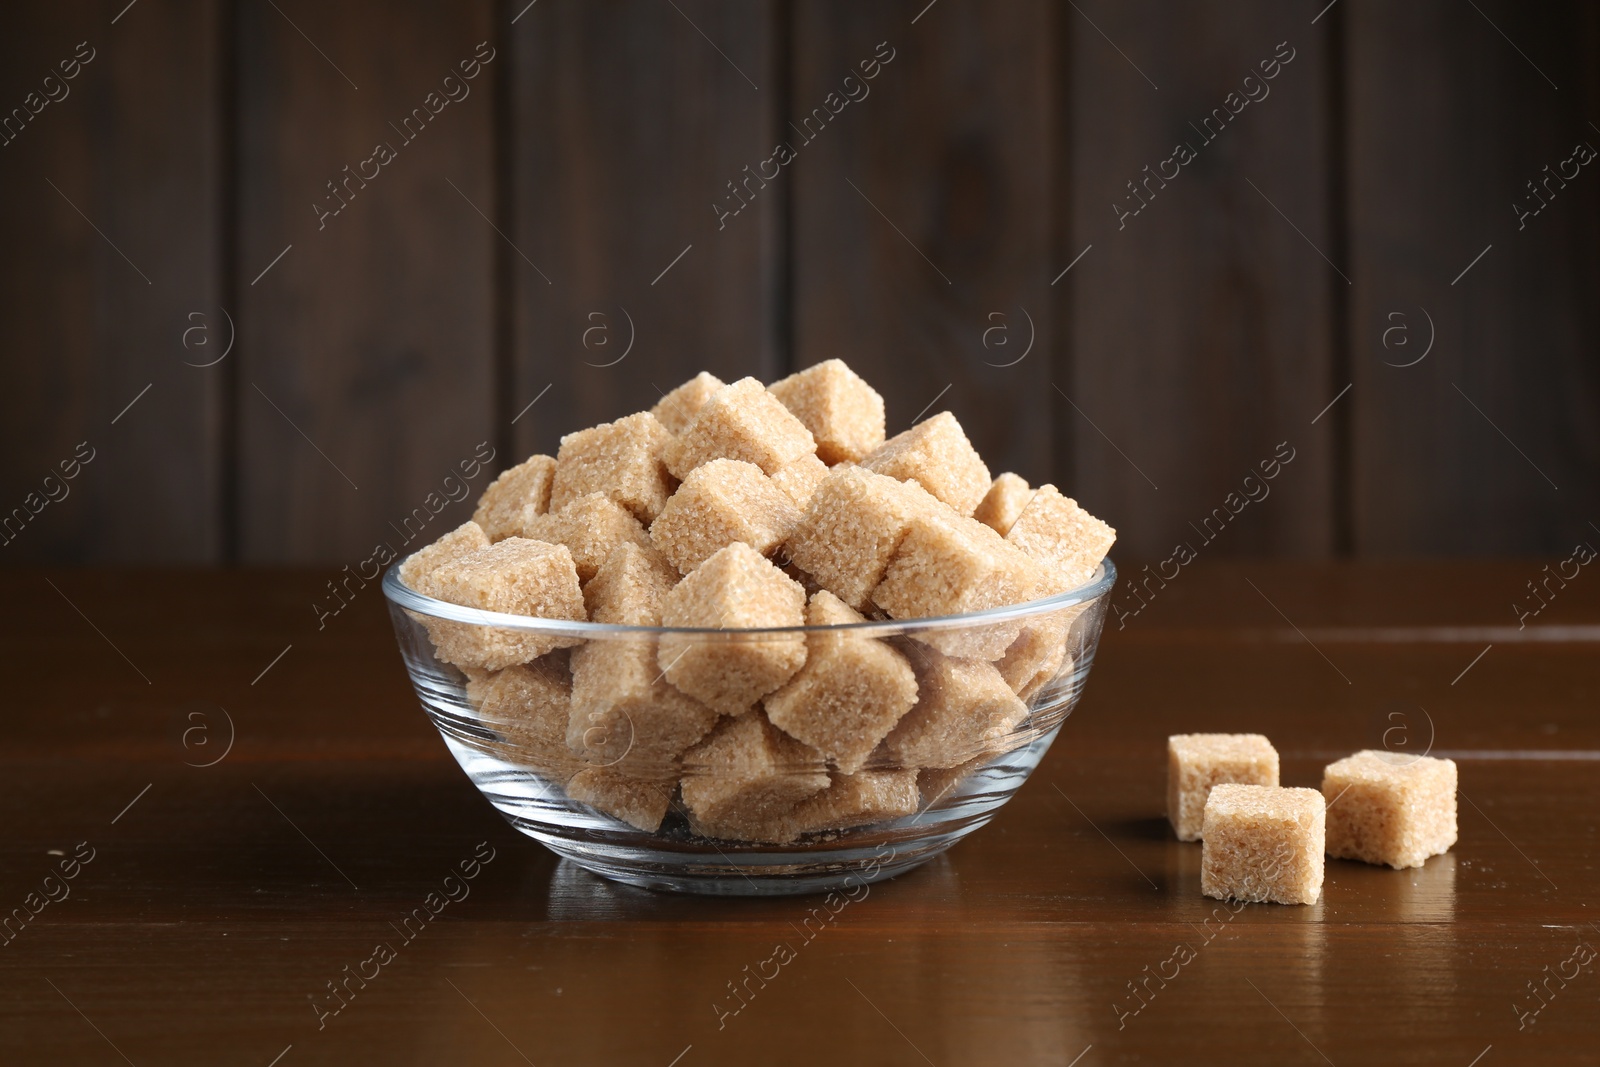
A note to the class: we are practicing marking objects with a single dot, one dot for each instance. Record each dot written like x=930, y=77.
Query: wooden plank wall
x=584, y=222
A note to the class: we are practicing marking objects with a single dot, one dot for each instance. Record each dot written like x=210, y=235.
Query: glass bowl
x=586, y=744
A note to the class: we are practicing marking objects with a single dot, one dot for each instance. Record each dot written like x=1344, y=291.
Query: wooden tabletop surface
x=209, y=907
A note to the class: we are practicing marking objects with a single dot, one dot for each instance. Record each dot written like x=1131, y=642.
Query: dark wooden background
x=144, y=214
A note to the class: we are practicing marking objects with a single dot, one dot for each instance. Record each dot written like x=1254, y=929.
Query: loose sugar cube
x=625, y=715
x=621, y=459
x=1198, y=762
x=416, y=571
x=742, y=783
x=1263, y=843
x=515, y=576
x=1391, y=808
x=741, y=421
x=843, y=413
x=628, y=587
x=1005, y=500
x=678, y=408
x=721, y=502
x=528, y=706
x=937, y=454
x=640, y=802
x=963, y=707
x=591, y=527
x=736, y=588
x=850, y=530
x=858, y=799
x=520, y=493
x=1065, y=540
x=800, y=479
x=1037, y=656
x=850, y=693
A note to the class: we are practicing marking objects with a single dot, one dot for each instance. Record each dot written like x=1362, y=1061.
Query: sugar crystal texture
x=528, y=707
x=843, y=412
x=628, y=587
x=736, y=588
x=1263, y=843
x=936, y=454
x=1198, y=762
x=1037, y=656
x=850, y=693
x=1390, y=807
x=964, y=707
x=800, y=479
x=858, y=799
x=624, y=714
x=418, y=568
x=1005, y=500
x=639, y=802
x=678, y=408
x=1066, y=541
x=591, y=527
x=520, y=493
x=850, y=530
x=517, y=577
x=741, y=421
x=720, y=502
x=742, y=783
x=622, y=459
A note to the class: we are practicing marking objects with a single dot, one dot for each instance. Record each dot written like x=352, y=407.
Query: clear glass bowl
x=589, y=748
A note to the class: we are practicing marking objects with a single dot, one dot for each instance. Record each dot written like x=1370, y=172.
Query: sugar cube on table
x=528, y=706
x=624, y=714
x=850, y=530
x=640, y=802
x=622, y=459
x=800, y=479
x=1064, y=539
x=515, y=576
x=720, y=502
x=1197, y=762
x=418, y=568
x=1263, y=843
x=736, y=587
x=591, y=527
x=858, y=799
x=843, y=412
x=936, y=454
x=1004, y=501
x=1390, y=808
x=741, y=421
x=517, y=495
x=628, y=588
x=964, y=708
x=850, y=693
x=678, y=408
x=743, y=782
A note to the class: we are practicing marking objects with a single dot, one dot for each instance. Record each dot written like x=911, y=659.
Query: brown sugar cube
x=520, y=493
x=935, y=784
x=1005, y=500
x=743, y=782
x=528, y=707
x=591, y=527
x=858, y=799
x=720, y=502
x=736, y=588
x=678, y=408
x=850, y=530
x=741, y=421
x=800, y=479
x=1263, y=843
x=1037, y=656
x=621, y=459
x=936, y=454
x=640, y=802
x=1198, y=762
x=420, y=565
x=963, y=708
x=625, y=715
x=628, y=587
x=850, y=693
x=950, y=565
x=1067, y=541
x=515, y=576
x=1390, y=808
x=842, y=411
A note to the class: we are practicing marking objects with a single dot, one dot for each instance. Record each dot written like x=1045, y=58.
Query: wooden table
x=220, y=901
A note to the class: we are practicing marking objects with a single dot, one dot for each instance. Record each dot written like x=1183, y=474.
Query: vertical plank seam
x=229, y=475
x=1342, y=360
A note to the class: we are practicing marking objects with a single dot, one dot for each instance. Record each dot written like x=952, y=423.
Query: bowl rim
x=403, y=596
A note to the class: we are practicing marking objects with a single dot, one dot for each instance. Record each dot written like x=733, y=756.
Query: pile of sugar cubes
x=1266, y=842
x=738, y=506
